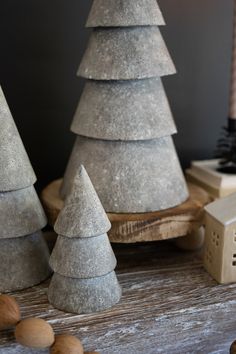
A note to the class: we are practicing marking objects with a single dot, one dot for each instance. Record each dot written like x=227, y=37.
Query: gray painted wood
x=170, y=305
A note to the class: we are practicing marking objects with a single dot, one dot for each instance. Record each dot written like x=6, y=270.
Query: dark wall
x=41, y=45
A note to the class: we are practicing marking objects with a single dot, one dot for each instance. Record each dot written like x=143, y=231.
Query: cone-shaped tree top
x=83, y=257
x=15, y=168
x=124, y=13
x=83, y=214
x=126, y=54
x=21, y=213
x=124, y=110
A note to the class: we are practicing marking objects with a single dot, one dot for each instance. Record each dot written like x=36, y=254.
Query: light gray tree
x=84, y=280
x=24, y=254
x=123, y=121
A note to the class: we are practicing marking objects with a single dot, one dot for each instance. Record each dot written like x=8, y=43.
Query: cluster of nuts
x=35, y=332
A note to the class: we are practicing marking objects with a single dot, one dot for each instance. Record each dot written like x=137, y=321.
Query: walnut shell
x=34, y=333
x=9, y=312
x=233, y=348
x=68, y=344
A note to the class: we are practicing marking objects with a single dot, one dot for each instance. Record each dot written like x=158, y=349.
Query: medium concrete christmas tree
x=123, y=121
x=84, y=280
x=23, y=252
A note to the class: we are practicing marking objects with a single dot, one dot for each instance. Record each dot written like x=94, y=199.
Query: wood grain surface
x=169, y=305
x=131, y=228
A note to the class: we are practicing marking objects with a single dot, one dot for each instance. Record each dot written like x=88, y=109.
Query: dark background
x=42, y=43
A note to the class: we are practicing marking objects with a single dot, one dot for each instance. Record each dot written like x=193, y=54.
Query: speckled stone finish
x=130, y=177
x=123, y=121
x=126, y=54
x=15, y=168
x=24, y=254
x=83, y=214
x=124, y=13
x=21, y=213
x=124, y=110
x=83, y=258
x=23, y=262
x=84, y=295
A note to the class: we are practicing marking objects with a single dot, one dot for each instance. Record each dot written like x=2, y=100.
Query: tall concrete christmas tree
x=24, y=254
x=123, y=120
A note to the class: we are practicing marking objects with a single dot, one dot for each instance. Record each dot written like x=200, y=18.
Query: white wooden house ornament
x=220, y=243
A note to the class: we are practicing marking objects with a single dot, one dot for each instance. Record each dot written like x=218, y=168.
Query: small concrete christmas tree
x=84, y=280
x=23, y=252
x=123, y=121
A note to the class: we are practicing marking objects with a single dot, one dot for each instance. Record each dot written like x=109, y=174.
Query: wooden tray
x=131, y=228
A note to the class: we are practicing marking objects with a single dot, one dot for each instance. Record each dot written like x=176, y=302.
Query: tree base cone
x=24, y=262
x=131, y=228
x=83, y=296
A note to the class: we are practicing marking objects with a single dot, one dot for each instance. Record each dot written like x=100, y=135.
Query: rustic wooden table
x=169, y=305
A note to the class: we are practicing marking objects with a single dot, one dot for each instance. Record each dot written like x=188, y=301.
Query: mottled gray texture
x=21, y=213
x=84, y=280
x=123, y=13
x=130, y=177
x=84, y=295
x=126, y=53
x=15, y=168
x=124, y=110
x=83, y=257
x=23, y=262
x=83, y=214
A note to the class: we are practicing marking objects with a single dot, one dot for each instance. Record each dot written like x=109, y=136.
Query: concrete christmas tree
x=23, y=252
x=84, y=280
x=123, y=120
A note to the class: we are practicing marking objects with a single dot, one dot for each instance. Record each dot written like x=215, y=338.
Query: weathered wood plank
x=131, y=228
x=170, y=304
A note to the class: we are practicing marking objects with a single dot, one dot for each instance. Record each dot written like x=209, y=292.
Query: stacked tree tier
x=23, y=252
x=123, y=121
x=82, y=259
